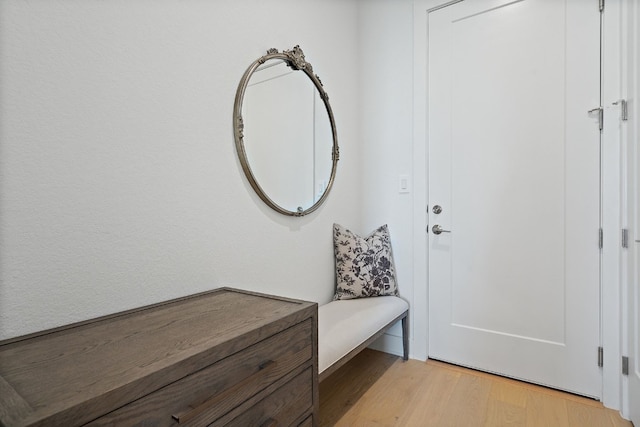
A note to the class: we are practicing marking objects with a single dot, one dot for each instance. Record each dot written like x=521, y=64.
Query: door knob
x=438, y=230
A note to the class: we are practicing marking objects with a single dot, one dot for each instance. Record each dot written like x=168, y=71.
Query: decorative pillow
x=364, y=266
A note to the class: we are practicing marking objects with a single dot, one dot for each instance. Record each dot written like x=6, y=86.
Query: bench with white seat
x=346, y=327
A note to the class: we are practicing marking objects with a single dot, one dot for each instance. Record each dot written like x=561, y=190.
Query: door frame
x=630, y=87
x=612, y=298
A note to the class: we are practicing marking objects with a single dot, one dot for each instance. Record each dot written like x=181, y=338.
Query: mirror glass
x=285, y=133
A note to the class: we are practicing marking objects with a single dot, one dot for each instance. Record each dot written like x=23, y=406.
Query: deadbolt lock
x=437, y=209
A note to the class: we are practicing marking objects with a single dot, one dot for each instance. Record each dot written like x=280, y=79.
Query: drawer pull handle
x=269, y=422
x=191, y=413
x=265, y=364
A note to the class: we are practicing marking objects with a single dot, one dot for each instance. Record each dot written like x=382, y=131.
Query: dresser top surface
x=128, y=355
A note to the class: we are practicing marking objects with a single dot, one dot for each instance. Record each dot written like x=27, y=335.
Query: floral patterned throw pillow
x=364, y=266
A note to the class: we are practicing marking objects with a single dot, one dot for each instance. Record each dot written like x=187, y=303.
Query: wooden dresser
x=221, y=358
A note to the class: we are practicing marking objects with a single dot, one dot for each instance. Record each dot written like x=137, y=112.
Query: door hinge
x=600, y=239
x=624, y=109
x=625, y=365
x=601, y=5
x=600, y=357
x=625, y=238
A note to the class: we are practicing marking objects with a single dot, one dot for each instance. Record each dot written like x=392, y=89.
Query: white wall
x=386, y=120
x=119, y=181
x=630, y=158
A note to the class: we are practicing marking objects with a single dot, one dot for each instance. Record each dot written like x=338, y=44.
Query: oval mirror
x=285, y=132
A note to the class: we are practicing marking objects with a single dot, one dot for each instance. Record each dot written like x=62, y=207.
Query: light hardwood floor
x=379, y=389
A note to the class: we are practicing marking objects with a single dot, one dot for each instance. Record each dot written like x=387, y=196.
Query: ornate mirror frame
x=295, y=59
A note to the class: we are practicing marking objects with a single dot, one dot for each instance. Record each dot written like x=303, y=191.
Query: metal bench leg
x=405, y=337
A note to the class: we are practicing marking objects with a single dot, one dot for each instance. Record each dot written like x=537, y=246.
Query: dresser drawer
x=206, y=395
x=283, y=407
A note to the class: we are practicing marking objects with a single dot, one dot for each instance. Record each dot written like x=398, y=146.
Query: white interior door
x=514, y=162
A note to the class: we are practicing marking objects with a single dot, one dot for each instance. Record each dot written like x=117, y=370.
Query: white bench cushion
x=345, y=324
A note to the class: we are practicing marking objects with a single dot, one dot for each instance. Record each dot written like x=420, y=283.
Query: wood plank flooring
x=379, y=389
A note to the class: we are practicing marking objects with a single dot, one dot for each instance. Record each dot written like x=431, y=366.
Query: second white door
x=514, y=162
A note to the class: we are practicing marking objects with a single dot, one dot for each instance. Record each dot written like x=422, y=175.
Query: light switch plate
x=404, y=184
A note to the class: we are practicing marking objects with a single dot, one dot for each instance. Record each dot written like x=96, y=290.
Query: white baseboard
x=387, y=343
